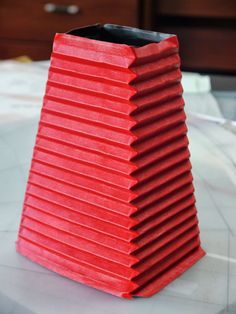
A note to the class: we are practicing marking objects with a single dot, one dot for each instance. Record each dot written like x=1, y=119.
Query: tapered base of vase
x=56, y=263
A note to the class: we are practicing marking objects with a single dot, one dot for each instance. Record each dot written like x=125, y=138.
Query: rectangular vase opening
x=120, y=34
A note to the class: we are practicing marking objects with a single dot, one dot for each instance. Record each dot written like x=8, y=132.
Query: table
x=208, y=287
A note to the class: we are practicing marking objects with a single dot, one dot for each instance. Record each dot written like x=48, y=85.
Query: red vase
x=109, y=199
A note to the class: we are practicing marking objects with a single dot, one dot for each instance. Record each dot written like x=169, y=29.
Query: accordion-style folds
x=109, y=199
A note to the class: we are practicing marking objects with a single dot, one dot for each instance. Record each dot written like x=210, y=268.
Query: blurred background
x=206, y=31
x=206, y=28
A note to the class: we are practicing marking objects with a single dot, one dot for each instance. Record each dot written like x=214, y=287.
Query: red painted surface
x=109, y=200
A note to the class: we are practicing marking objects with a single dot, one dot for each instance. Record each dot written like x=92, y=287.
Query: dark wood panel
x=146, y=16
x=34, y=49
x=28, y=19
x=199, y=8
x=206, y=31
x=206, y=49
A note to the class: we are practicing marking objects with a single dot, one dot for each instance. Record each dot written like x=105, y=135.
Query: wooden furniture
x=206, y=30
x=28, y=27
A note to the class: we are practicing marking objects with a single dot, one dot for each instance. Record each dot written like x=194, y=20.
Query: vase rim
x=118, y=34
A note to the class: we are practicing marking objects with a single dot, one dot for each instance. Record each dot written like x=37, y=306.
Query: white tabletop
x=208, y=287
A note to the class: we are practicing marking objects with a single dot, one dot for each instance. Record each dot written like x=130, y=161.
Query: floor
x=209, y=287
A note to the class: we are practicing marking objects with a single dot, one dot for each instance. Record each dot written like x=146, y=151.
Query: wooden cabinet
x=28, y=27
x=199, y=8
x=206, y=30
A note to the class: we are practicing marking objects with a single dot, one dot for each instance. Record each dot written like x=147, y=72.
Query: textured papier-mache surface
x=109, y=199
